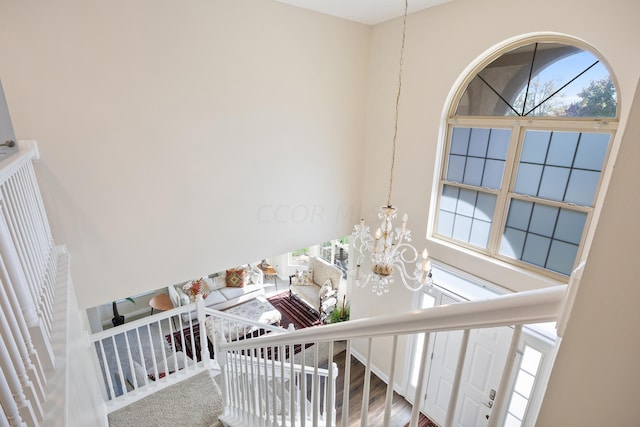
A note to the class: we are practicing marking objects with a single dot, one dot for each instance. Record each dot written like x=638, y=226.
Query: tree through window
x=525, y=150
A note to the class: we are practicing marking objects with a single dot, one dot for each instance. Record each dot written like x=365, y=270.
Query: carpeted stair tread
x=196, y=402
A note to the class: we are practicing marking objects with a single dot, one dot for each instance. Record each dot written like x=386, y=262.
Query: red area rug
x=294, y=311
x=423, y=421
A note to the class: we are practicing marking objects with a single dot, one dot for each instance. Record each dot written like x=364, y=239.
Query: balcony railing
x=28, y=271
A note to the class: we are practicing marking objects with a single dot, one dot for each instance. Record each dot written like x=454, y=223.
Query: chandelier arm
x=404, y=276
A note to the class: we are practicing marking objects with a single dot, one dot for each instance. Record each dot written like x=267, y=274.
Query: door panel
x=444, y=352
x=486, y=356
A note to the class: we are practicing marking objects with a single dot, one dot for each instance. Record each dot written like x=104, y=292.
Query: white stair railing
x=235, y=357
x=144, y=356
x=28, y=270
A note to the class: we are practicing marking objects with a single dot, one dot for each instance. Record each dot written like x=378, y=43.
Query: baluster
x=161, y=337
x=14, y=389
x=8, y=405
x=14, y=320
x=331, y=390
x=18, y=279
x=154, y=365
x=453, y=399
x=266, y=386
x=303, y=388
x=315, y=390
x=292, y=391
x=346, y=386
x=16, y=362
x=106, y=371
x=365, y=392
x=273, y=386
x=389, y=396
x=419, y=396
x=283, y=400
x=11, y=299
x=259, y=384
x=38, y=247
x=116, y=350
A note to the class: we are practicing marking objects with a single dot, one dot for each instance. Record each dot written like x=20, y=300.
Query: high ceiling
x=369, y=12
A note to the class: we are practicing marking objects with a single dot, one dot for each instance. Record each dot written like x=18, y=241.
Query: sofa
x=316, y=284
x=220, y=290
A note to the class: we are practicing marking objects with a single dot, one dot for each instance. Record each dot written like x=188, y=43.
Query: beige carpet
x=194, y=402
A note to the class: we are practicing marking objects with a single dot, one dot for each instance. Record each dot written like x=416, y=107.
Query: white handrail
x=542, y=305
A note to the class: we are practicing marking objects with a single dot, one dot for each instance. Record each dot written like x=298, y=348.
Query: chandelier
x=389, y=250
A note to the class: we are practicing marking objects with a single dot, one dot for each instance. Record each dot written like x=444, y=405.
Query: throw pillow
x=303, y=278
x=195, y=287
x=325, y=289
x=235, y=278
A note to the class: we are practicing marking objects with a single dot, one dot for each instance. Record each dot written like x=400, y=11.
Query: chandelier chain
x=395, y=126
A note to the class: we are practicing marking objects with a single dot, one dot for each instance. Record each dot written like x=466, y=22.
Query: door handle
x=488, y=404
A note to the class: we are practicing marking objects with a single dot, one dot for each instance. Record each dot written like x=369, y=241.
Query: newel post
x=204, y=345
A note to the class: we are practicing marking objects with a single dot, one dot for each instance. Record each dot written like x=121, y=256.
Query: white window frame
x=518, y=127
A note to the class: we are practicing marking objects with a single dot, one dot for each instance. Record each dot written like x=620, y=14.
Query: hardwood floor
x=401, y=409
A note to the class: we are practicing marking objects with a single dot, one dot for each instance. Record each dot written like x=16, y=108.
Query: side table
x=268, y=270
x=161, y=302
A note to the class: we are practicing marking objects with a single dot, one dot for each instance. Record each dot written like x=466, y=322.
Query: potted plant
x=118, y=319
x=340, y=314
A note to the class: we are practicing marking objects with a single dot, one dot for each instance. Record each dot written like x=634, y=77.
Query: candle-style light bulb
x=378, y=234
x=405, y=218
x=425, y=260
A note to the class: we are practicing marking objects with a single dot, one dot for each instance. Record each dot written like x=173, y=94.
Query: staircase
x=280, y=378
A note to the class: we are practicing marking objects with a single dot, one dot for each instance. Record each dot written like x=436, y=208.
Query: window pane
x=492, y=177
x=476, y=156
x=460, y=141
x=592, y=150
x=445, y=223
x=473, y=171
x=543, y=235
x=519, y=214
x=512, y=243
x=562, y=148
x=552, y=79
x=535, y=146
x=466, y=215
x=485, y=206
x=462, y=228
x=518, y=405
x=499, y=144
x=512, y=421
x=582, y=187
x=543, y=220
x=531, y=360
x=455, y=172
x=480, y=231
x=536, y=249
x=466, y=202
x=562, y=256
x=570, y=226
x=554, y=183
x=528, y=179
x=524, y=383
x=479, y=142
x=449, y=198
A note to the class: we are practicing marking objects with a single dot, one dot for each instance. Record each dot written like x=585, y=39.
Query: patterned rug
x=423, y=421
x=294, y=311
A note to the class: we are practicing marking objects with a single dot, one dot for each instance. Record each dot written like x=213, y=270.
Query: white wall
x=183, y=138
x=441, y=43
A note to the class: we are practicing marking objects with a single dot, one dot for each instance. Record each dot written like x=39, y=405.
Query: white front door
x=486, y=356
x=445, y=347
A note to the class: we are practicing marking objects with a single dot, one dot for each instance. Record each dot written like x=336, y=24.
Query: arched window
x=526, y=144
